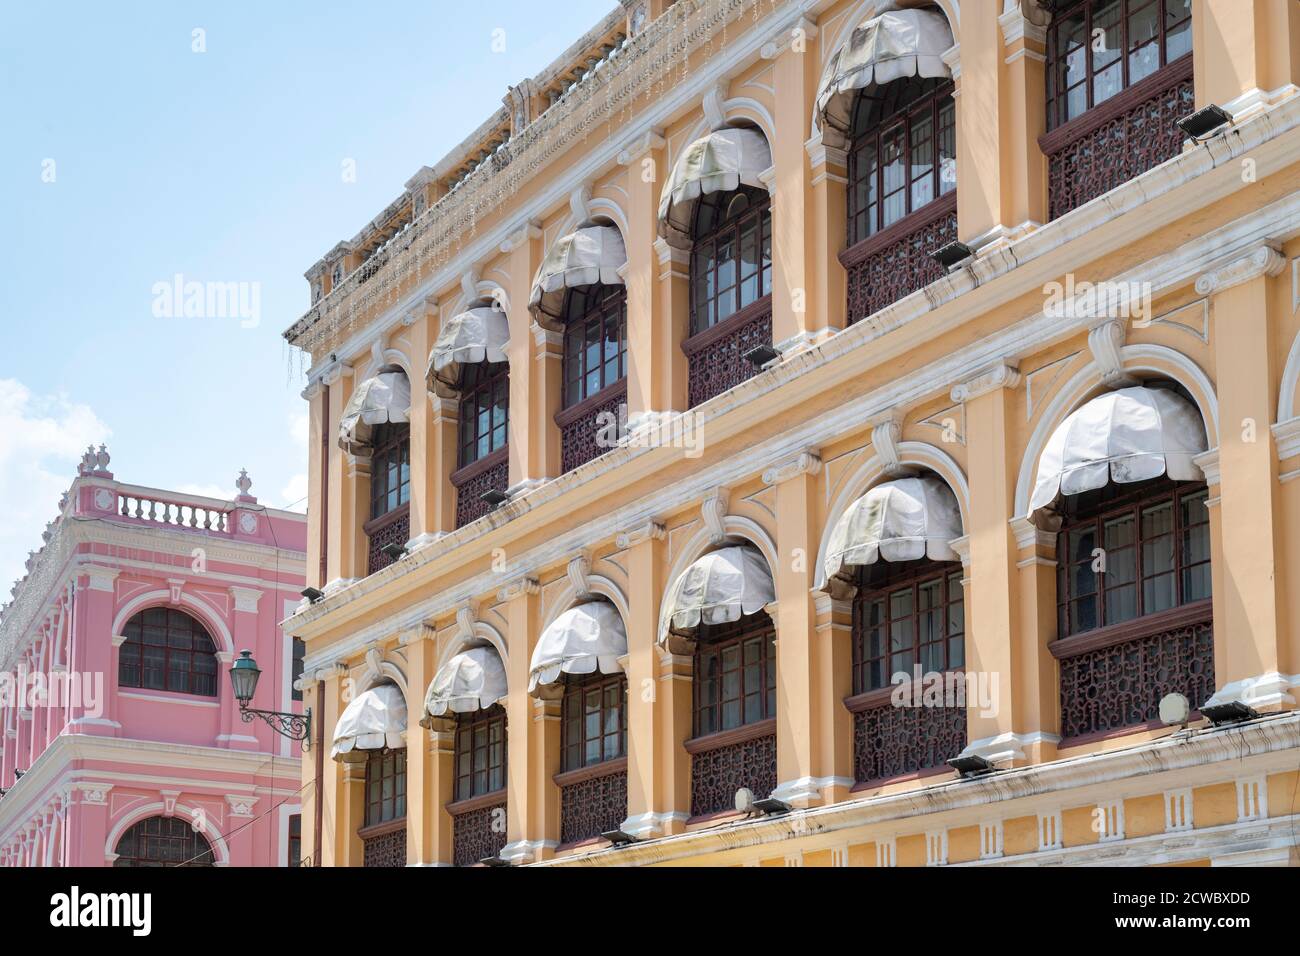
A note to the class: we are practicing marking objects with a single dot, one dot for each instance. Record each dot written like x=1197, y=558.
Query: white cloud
x=294, y=494
x=208, y=490
x=42, y=439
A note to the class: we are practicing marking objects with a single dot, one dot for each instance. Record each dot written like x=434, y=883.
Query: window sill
x=382, y=829
x=1199, y=612
x=729, y=738
x=720, y=330
x=386, y=519
x=1093, y=119
x=932, y=211
x=482, y=801
x=567, y=416
x=475, y=468
x=607, y=768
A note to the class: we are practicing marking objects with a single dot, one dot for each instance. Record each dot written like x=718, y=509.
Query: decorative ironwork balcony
x=593, y=800
x=892, y=742
x=716, y=357
x=722, y=763
x=585, y=428
x=1112, y=678
x=391, y=528
x=1119, y=139
x=490, y=473
x=384, y=844
x=895, y=262
x=478, y=828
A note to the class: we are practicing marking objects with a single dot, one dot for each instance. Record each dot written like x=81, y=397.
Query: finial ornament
x=244, y=482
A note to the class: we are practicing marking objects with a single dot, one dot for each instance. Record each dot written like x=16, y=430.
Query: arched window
x=478, y=807
x=166, y=649
x=1098, y=48
x=595, y=340
x=734, y=713
x=1119, y=478
x=1119, y=77
x=735, y=674
x=907, y=615
x=731, y=255
x=595, y=369
x=593, y=745
x=480, y=752
x=390, y=469
x=385, y=786
x=163, y=841
x=903, y=153
x=483, y=462
x=484, y=410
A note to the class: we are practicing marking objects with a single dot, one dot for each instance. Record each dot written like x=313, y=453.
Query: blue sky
x=129, y=158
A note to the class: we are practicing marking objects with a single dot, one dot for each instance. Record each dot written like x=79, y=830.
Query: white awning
x=722, y=161
x=472, y=680
x=478, y=335
x=374, y=720
x=381, y=400
x=900, y=520
x=891, y=46
x=586, y=256
x=582, y=640
x=719, y=587
x=1124, y=436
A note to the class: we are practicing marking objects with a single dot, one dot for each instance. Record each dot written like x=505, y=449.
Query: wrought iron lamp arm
x=294, y=726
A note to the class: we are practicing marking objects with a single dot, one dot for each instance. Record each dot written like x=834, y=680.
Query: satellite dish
x=1174, y=709
x=744, y=800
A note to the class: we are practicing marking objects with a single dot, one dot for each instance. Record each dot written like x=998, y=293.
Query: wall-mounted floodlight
x=1232, y=712
x=971, y=765
x=953, y=254
x=1204, y=122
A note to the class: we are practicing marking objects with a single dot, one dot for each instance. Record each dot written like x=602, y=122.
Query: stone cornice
x=650, y=531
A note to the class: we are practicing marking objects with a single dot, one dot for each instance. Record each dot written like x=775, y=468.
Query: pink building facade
x=122, y=741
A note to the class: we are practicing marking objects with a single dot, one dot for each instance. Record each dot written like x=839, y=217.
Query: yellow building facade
x=660, y=469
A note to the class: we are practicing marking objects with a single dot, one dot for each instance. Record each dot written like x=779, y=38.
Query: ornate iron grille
x=895, y=262
x=891, y=741
x=594, y=805
x=385, y=849
x=1119, y=683
x=478, y=833
x=718, y=772
x=590, y=428
x=392, y=528
x=715, y=357
x=1122, y=138
x=487, y=474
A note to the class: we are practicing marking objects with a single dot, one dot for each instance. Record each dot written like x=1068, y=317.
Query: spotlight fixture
x=953, y=254
x=312, y=594
x=1204, y=121
x=18, y=774
x=394, y=551
x=3, y=791
x=1231, y=712
x=494, y=497
x=971, y=765
x=760, y=355
x=772, y=806
x=618, y=837
x=493, y=861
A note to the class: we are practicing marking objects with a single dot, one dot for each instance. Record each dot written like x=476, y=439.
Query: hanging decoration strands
x=662, y=49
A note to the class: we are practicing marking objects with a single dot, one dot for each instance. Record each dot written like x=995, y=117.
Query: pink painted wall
x=96, y=766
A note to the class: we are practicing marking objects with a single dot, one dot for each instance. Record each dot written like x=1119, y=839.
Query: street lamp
x=243, y=679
